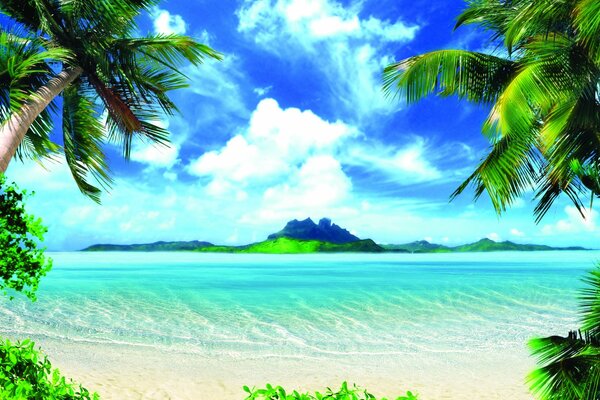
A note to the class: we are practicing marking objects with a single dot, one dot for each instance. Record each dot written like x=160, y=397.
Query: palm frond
x=537, y=18
x=510, y=169
x=473, y=76
x=590, y=303
x=169, y=50
x=587, y=22
x=83, y=136
x=492, y=15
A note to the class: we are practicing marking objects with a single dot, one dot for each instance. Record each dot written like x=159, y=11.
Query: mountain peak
x=325, y=223
x=325, y=231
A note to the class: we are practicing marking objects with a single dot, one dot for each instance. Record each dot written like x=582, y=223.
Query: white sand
x=122, y=372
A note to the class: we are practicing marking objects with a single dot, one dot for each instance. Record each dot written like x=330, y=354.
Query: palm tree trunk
x=13, y=131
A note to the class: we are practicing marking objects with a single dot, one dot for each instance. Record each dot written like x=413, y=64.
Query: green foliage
x=22, y=263
x=570, y=366
x=544, y=96
x=125, y=78
x=26, y=374
x=344, y=393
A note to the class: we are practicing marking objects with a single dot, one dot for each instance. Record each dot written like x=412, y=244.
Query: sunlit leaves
x=346, y=392
x=26, y=373
x=22, y=262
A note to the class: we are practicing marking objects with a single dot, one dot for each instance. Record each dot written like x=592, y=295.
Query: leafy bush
x=26, y=374
x=22, y=263
x=345, y=393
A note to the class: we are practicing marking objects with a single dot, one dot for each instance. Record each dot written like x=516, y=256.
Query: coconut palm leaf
x=587, y=24
x=590, y=304
x=473, y=76
x=83, y=134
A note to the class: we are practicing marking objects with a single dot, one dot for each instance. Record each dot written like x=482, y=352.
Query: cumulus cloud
x=276, y=141
x=316, y=19
x=574, y=222
x=347, y=49
x=318, y=184
x=516, y=232
x=155, y=155
x=167, y=23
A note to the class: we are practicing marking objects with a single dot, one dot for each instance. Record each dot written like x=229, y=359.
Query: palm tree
x=113, y=85
x=543, y=95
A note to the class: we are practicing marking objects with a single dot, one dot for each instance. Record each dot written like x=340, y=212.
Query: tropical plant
x=543, y=93
x=22, y=262
x=344, y=393
x=571, y=365
x=26, y=374
x=113, y=86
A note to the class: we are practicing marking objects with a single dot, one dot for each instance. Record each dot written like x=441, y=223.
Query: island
x=306, y=236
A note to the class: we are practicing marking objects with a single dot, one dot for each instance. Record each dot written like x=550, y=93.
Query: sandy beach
x=119, y=372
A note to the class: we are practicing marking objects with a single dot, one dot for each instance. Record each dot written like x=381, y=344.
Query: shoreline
x=123, y=372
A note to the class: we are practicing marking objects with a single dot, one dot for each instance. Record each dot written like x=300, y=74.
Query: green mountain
x=483, y=245
x=284, y=245
x=157, y=246
x=325, y=231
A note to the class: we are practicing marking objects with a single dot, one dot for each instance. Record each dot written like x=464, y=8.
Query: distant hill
x=420, y=246
x=483, y=245
x=325, y=231
x=284, y=245
x=156, y=246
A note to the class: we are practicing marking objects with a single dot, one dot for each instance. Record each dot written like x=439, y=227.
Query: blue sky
x=293, y=124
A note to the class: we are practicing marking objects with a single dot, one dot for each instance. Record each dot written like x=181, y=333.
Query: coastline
x=124, y=372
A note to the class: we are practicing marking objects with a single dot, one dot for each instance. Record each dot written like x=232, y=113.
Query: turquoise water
x=304, y=306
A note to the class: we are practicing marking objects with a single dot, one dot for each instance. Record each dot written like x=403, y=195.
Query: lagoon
x=190, y=326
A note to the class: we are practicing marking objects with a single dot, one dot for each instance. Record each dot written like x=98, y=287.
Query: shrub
x=26, y=374
x=345, y=393
x=22, y=263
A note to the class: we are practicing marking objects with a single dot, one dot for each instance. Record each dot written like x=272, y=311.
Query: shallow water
x=434, y=308
x=317, y=305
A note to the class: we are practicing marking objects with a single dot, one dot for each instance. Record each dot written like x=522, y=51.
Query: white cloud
x=276, y=141
x=262, y=91
x=284, y=163
x=347, y=49
x=155, y=155
x=320, y=183
x=516, y=232
x=167, y=23
x=494, y=236
x=218, y=83
x=573, y=223
x=409, y=164
x=316, y=19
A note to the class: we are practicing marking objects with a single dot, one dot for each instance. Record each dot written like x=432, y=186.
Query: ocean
x=406, y=314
